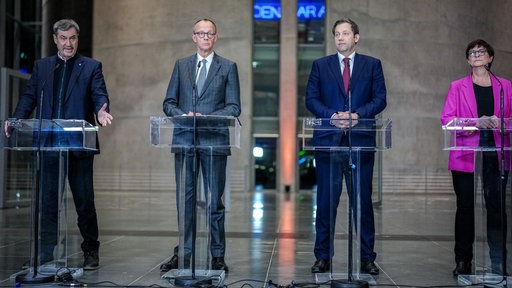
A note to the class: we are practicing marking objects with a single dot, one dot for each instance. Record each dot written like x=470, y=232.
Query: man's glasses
x=477, y=53
x=208, y=35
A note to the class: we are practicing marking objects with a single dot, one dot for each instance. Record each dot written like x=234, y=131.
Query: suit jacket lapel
x=359, y=64
x=212, y=71
x=335, y=69
x=73, y=78
x=469, y=95
x=48, y=89
x=192, y=69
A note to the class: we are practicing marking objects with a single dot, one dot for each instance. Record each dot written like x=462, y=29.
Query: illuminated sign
x=270, y=10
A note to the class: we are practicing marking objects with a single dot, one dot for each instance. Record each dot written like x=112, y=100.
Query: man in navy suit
x=219, y=95
x=69, y=86
x=327, y=97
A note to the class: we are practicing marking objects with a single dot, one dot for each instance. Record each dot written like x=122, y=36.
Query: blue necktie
x=202, y=77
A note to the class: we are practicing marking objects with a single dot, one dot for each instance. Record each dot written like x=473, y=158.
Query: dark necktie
x=346, y=74
x=202, y=77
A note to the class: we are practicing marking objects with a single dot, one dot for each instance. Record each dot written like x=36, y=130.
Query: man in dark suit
x=327, y=97
x=71, y=87
x=216, y=91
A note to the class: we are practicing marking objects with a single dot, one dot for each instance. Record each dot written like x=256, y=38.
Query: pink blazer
x=461, y=103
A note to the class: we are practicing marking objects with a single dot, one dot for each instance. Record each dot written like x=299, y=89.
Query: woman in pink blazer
x=478, y=96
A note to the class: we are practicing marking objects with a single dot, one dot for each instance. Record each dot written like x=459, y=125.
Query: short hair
x=65, y=25
x=353, y=25
x=480, y=43
x=207, y=20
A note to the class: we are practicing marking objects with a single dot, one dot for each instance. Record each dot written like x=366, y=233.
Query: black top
x=485, y=107
x=60, y=85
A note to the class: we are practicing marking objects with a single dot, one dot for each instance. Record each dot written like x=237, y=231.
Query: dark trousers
x=463, y=184
x=80, y=178
x=331, y=169
x=213, y=169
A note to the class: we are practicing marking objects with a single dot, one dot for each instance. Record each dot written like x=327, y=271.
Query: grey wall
x=421, y=44
x=138, y=43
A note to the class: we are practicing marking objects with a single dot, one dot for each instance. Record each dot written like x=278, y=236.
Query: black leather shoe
x=462, y=268
x=172, y=264
x=91, y=260
x=369, y=267
x=219, y=264
x=321, y=266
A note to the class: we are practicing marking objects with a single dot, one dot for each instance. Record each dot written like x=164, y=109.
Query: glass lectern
x=492, y=229
x=195, y=142
x=48, y=142
x=348, y=144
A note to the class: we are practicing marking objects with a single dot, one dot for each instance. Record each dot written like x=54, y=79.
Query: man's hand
x=7, y=128
x=343, y=120
x=104, y=117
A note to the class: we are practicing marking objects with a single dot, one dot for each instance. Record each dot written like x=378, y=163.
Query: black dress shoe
x=321, y=266
x=91, y=260
x=462, y=268
x=219, y=264
x=172, y=264
x=369, y=267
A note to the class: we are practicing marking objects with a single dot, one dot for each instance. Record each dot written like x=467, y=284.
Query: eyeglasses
x=477, y=53
x=202, y=34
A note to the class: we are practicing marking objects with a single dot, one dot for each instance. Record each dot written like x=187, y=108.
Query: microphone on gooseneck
x=494, y=76
x=41, y=98
x=502, y=97
x=43, y=85
x=194, y=87
x=503, y=178
x=195, y=75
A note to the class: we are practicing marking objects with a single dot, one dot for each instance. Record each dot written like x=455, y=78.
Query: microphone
x=194, y=87
x=42, y=88
x=57, y=65
x=38, y=164
x=41, y=98
x=502, y=98
x=502, y=172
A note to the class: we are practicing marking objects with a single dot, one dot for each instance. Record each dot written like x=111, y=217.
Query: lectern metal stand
x=491, y=260
x=49, y=143
x=316, y=134
x=189, y=138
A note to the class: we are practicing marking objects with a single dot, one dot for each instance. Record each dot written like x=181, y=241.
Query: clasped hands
x=344, y=120
x=488, y=122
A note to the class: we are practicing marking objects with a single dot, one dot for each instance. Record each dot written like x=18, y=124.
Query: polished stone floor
x=270, y=238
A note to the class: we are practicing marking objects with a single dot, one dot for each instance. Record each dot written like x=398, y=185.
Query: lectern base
x=346, y=283
x=189, y=281
x=183, y=277
x=488, y=280
x=31, y=278
x=323, y=278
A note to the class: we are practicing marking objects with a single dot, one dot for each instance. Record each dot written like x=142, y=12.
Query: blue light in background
x=271, y=10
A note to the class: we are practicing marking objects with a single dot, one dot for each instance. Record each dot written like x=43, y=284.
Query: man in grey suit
x=202, y=84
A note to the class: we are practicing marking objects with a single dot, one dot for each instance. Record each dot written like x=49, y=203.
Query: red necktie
x=346, y=73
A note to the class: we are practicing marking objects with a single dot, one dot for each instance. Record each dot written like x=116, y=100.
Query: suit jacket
x=220, y=96
x=461, y=103
x=86, y=92
x=325, y=95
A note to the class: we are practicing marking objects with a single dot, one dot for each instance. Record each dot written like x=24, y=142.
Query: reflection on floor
x=270, y=238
